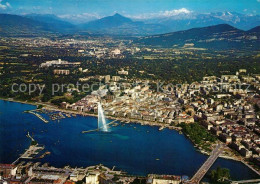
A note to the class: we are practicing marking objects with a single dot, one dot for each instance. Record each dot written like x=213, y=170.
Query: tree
x=220, y=175
x=39, y=106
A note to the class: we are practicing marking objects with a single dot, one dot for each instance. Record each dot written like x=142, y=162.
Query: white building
x=122, y=72
x=107, y=78
x=116, y=52
x=92, y=178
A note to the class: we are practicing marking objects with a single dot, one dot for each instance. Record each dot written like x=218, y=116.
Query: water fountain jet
x=102, y=125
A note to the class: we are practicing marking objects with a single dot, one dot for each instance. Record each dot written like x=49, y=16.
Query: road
x=206, y=166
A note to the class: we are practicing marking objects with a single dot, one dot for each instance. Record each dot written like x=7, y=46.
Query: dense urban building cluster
x=228, y=107
x=36, y=173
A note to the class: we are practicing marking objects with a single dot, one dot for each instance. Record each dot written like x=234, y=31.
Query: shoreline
x=18, y=101
x=127, y=121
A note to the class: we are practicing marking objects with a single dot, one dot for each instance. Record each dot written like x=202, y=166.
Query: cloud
x=8, y=4
x=4, y=6
x=166, y=13
x=175, y=12
x=80, y=18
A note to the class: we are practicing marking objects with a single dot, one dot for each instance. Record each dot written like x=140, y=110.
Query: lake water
x=132, y=148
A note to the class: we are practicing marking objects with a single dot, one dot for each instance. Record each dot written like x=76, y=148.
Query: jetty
x=33, y=150
x=88, y=131
x=95, y=130
x=29, y=136
x=38, y=115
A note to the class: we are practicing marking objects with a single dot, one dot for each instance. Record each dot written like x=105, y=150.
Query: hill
x=217, y=37
x=14, y=25
x=33, y=25
x=255, y=32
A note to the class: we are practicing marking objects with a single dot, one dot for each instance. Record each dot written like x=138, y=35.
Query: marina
x=51, y=115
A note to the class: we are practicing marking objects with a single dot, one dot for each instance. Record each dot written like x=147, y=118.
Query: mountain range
x=213, y=36
x=192, y=20
x=119, y=25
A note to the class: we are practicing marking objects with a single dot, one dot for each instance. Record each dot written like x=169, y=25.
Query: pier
x=38, y=115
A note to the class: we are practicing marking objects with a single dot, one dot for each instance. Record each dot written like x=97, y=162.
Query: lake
x=133, y=148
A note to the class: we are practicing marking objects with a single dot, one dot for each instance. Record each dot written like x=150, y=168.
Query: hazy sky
x=132, y=8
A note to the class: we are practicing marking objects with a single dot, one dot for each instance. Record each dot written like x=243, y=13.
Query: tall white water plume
x=102, y=125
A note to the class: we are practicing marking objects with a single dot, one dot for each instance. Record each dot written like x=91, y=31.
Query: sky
x=92, y=9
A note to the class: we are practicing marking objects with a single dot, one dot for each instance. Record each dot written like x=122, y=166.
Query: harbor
x=52, y=115
x=56, y=114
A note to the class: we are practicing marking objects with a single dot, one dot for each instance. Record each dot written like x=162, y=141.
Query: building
x=242, y=70
x=107, y=78
x=163, y=179
x=42, y=181
x=58, y=62
x=122, y=72
x=61, y=72
x=105, y=179
x=77, y=175
x=7, y=170
x=115, y=78
x=226, y=138
x=245, y=152
x=92, y=178
x=116, y=52
x=207, y=125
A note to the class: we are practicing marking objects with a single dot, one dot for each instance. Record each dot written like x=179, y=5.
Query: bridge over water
x=206, y=166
